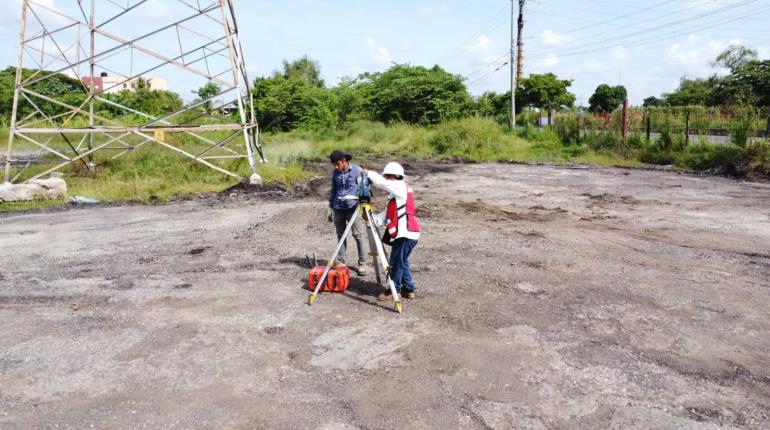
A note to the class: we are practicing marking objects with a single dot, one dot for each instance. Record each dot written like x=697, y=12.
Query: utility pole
x=516, y=74
x=520, y=45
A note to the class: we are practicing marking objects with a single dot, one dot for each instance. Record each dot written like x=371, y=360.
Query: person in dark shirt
x=345, y=182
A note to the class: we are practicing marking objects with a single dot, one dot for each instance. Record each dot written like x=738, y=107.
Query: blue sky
x=646, y=46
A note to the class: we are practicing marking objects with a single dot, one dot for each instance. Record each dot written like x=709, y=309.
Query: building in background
x=115, y=84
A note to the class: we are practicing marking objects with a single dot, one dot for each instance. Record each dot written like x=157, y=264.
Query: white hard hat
x=393, y=168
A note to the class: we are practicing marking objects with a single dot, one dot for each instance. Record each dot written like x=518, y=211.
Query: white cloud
x=156, y=9
x=620, y=53
x=379, y=54
x=698, y=54
x=9, y=17
x=552, y=38
x=481, y=47
x=483, y=53
x=549, y=61
x=47, y=10
x=701, y=4
x=686, y=51
x=594, y=66
x=433, y=7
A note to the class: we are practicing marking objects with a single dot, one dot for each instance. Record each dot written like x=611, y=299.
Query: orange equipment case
x=337, y=280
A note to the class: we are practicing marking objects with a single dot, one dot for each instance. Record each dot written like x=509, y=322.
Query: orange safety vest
x=403, y=216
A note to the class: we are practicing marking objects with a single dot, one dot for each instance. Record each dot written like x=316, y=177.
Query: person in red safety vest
x=402, y=227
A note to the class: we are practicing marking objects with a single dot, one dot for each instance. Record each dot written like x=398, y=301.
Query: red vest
x=404, y=215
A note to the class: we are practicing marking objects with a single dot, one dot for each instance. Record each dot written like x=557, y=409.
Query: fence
x=691, y=124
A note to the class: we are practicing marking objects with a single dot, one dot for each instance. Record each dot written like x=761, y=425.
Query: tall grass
x=152, y=173
x=472, y=139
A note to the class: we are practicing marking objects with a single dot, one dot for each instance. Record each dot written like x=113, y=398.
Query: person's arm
x=382, y=217
x=330, y=208
x=332, y=193
x=397, y=188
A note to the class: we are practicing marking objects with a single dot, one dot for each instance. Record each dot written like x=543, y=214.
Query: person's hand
x=329, y=215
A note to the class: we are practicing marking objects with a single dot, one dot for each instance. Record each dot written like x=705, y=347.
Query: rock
x=255, y=179
x=51, y=188
x=81, y=200
x=526, y=287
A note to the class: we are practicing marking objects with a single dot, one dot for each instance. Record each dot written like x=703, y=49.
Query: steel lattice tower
x=109, y=46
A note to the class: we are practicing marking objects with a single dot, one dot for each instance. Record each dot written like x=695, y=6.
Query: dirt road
x=548, y=297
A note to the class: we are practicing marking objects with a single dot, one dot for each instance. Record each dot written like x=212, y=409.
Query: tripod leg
x=344, y=237
x=372, y=233
x=384, y=262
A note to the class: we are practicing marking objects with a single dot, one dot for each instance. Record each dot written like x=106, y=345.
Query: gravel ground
x=549, y=297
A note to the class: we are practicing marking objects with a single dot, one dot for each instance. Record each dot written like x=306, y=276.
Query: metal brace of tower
x=80, y=59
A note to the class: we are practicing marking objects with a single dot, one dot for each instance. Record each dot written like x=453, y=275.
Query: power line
x=671, y=23
x=614, y=39
x=642, y=42
x=619, y=17
x=489, y=65
x=495, y=21
x=685, y=31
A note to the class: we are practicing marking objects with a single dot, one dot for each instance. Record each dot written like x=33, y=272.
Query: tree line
x=746, y=84
x=297, y=97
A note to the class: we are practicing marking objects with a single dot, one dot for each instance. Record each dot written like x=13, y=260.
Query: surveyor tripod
x=376, y=250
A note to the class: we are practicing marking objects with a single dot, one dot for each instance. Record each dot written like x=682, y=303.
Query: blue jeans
x=400, y=271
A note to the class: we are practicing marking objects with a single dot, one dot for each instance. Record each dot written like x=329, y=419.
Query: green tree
x=415, y=94
x=494, y=105
x=206, y=92
x=693, y=91
x=755, y=75
x=303, y=69
x=285, y=104
x=606, y=98
x=544, y=91
x=652, y=101
x=734, y=57
x=59, y=87
x=349, y=100
x=144, y=99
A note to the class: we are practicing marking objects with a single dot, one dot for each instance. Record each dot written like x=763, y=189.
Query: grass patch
x=33, y=205
x=606, y=158
x=152, y=174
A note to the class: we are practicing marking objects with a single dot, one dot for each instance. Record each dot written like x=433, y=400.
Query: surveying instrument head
x=364, y=192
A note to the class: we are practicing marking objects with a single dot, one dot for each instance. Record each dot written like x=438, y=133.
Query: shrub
x=702, y=157
x=740, y=129
x=568, y=130
x=657, y=153
x=470, y=138
x=635, y=140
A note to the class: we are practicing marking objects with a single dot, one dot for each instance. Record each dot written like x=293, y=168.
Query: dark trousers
x=400, y=271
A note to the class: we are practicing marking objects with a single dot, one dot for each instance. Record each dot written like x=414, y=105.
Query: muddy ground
x=548, y=298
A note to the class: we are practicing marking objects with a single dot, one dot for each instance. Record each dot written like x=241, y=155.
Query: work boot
x=408, y=295
x=385, y=296
x=361, y=269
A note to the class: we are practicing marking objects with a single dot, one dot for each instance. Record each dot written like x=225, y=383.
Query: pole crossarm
x=71, y=37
